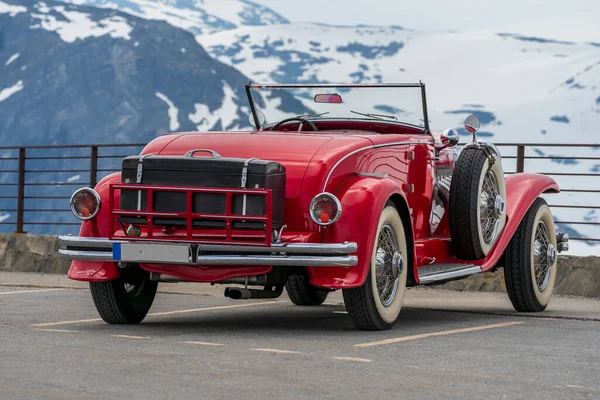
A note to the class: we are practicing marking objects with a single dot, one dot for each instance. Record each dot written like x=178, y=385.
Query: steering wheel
x=302, y=120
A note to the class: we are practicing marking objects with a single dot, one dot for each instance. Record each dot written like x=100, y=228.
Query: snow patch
x=6, y=93
x=173, y=112
x=79, y=25
x=12, y=59
x=10, y=9
x=226, y=114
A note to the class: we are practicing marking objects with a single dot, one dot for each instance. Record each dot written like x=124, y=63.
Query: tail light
x=85, y=204
x=325, y=209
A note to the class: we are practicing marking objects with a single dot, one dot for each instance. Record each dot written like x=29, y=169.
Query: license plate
x=152, y=253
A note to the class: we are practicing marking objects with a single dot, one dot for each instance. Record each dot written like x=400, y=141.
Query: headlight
x=325, y=209
x=85, y=204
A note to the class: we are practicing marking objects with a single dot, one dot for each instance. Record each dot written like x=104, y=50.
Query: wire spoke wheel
x=376, y=304
x=487, y=206
x=541, y=263
x=530, y=260
x=386, y=268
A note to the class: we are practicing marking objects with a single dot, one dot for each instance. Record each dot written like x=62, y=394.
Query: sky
x=455, y=15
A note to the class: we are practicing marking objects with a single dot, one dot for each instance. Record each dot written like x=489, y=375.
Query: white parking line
x=79, y=321
x=130, y=337
x=440, y=333
x=30, y=291
x=355, y=359
x=277, y=351
x=203, y=343
x=55, y=330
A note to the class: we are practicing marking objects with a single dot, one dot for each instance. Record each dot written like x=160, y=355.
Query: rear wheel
x=530, y=260
x=125, y=300
x=302, y=293
x=375, y=305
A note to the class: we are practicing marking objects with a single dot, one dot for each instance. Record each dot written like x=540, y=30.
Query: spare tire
x=477, y=202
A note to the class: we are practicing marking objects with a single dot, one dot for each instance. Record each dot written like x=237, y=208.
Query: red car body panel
x=364, y=170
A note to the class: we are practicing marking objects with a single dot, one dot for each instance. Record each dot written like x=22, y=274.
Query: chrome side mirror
x=472, y=124
x=448, y=138
x=260, y=116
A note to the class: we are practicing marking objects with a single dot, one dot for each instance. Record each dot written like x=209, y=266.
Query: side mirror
x=260, y=116
x=472, y=124
x=448, y=138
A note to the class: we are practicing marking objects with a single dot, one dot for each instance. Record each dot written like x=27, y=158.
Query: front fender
x=363, y=199
x=521, y=191
x=95, y=271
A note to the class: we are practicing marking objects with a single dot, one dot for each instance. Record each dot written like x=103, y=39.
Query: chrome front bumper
x=277, y=255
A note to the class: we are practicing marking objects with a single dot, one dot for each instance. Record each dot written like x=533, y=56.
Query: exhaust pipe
x=269, y=292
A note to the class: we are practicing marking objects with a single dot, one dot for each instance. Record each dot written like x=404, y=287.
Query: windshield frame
x=259, y=126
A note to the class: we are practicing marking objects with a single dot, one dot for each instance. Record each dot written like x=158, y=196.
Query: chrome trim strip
x=79, y=241
x=291, y=248
x=244, y=260
x=280, y=261
x=288, y=248
x=372, y=175
x=442, y=276
x=361, y=149
x=86, y=255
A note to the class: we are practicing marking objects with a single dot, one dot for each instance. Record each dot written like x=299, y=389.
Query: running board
x=442, y=272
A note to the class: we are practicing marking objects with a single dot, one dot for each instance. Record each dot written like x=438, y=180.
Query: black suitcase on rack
x=208, y=172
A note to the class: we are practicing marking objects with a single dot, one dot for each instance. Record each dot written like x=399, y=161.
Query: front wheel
x=530, y=260
x=125, y=300
x=375, y=305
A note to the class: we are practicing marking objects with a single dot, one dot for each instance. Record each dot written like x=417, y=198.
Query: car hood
x=294, y=151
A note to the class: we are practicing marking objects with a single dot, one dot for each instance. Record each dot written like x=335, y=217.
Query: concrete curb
x=577, y=276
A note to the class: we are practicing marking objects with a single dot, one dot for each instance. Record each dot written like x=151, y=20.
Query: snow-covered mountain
x=518, y=84
x=196, y=16
x=73, y=74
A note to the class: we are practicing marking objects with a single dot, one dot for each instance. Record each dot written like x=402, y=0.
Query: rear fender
x=363, y=199
x=95, y=271
x=521, y=191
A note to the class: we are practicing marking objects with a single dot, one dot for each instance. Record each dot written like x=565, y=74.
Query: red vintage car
x=338, y=187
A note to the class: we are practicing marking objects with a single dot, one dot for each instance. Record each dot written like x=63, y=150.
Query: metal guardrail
x=31, y=185
x=24, y=185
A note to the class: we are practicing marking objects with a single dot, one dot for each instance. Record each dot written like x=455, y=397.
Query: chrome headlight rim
x=72, y=203
x=332, y=197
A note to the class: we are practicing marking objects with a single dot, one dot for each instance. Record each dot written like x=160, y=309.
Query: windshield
x=394, y=103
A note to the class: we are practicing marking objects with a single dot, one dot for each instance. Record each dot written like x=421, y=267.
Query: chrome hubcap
x=388, y=265
x=544, y=256
x=491, y=207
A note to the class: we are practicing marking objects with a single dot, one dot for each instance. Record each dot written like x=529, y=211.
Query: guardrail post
x=520, y=158
x=21, y=190
x=94, y=166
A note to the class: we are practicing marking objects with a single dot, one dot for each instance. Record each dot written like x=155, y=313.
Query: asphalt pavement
x=196, y=344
